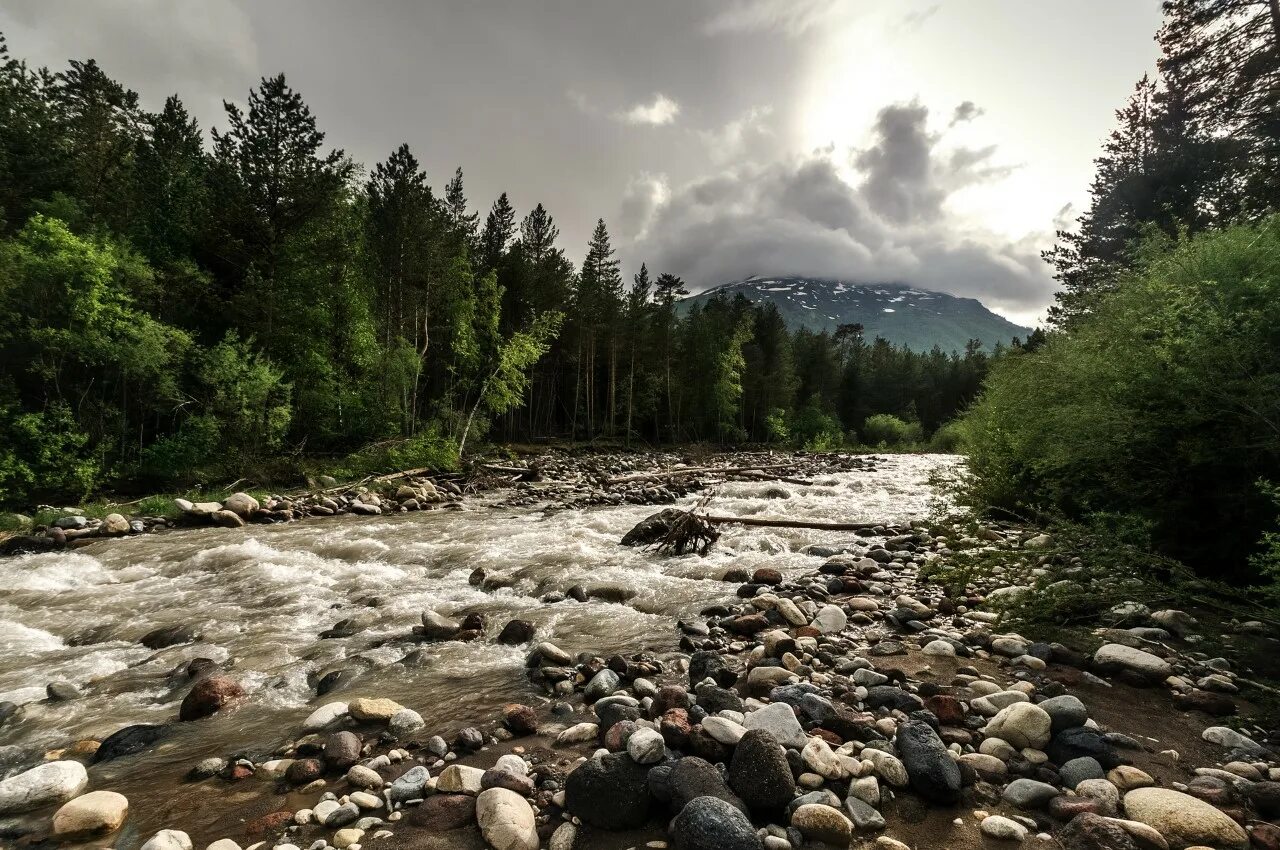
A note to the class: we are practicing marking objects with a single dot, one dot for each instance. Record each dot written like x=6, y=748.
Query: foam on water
x=261, y=596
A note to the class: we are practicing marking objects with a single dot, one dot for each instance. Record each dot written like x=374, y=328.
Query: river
x=261, y=596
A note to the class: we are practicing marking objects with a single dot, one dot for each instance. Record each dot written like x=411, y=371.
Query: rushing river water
x=261, y=596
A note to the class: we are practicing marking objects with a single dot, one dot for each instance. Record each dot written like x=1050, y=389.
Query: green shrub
x=44, y=456
x=816, y=430
x=428, y=448
x=949, y=439
x=1163, y=404
x=885, y=429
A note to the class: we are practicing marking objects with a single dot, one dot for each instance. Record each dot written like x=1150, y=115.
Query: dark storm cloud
x=803, y=217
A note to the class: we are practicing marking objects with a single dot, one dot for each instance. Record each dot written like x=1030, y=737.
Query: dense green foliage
x=1154, y=407
x=184, y=309
x=1163, y=404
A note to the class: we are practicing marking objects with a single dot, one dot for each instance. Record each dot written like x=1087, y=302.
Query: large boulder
x=505, y=820
x=208, y=696
x=129, y=740
x=1183, y=820
x=709, y=823
x=609, y=792
x=759, y=773
x=43, y=785
x=241, y=504
x=933, y=774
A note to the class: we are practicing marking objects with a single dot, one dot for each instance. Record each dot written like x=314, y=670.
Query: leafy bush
x=428, y=448
x=816, y=430
x=885, y=429
x=1164, y=404
x=948, y=439
x=44, y=455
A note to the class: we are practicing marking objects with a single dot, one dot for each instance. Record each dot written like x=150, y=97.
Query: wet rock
x=704, y=664
x=168, y=839
x=303, y=771
x=325, y=715
x=373, y=710
x=411, y=785
x=602, y=684
x=129, y=740
x=932, y=772
x=516, y=632
x=166, y=636
x=405, y=722
x=43, y=785
x=1183, y=820
x=61, y=692
x=609, y=792
x=436, y=626
x=505, y=820
x=1210, y=702
x=226, y=519
x=208, y=696
x=443, y=812
x=709, y=823
x=652, y=529
x=95, y=813
x=520, y=719
x=342, y=750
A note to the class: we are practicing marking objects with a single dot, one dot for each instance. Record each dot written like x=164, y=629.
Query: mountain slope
x=904, y=315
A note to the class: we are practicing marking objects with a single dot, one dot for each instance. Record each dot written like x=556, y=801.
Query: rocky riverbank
x=856, y=703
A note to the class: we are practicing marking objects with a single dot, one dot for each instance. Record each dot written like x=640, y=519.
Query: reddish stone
x=827, y=735
x=520, y=719
x=268, y=824
x=946, y=708
x=952, y=735
x=667, y=698
x=766, y=575
x=303, y=771
x=1065, y=808
x=468, y=635
x=676, y=728
x=748, y=624
x=239, y=772
x=442, y=812
x=208, y=696
x=807, y=631
x=1265, y=836
x=615, y=737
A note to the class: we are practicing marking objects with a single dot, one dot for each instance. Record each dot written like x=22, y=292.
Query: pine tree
x=460, y=220
x=171, y=171
x=496, y=235
x=597, y=312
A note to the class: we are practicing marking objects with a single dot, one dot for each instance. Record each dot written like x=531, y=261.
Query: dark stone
x=692, y=777
x=946, y=708
x=704, y=664
x=1081, y=741
x=1210, y=702
x=715, y=699
x=129, y=740
x=1065, y=712
x=610, y=792
x=520, y=719
x=61, y=692
x=1265, y=797
x=470, y=738
x=766, y=575
x=334, y=679
x=169, y=636
x=473, y=622
x=516, y=632
x=208, y=696
x=759, y=773
x=302, y=771
x=893, y=697
x=653, y=528
x=341, y=750
x=611, y=713
x=442, y=812
x=669, y=697
x=1088, y=831
x=705, y=747
x=709, y=823
x=933, y=773
x=748, y=624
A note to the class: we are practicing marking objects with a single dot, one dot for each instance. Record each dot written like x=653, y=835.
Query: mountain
x=904, y=315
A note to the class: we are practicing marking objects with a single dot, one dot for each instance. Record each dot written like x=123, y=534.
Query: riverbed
x=261, y=596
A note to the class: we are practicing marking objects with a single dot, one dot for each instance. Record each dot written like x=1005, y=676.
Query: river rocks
x=1139, y=664
x=723, y=730
x=601, y=685
x=1088, y=831
x=830, y=620
x=114, y=525
x=646, y=746
x=520, y=719
x=43, y=785
x=436, y=626
x=374, y=710
x=405, y=722
x=1210, y=702
x=1079, y=769
x=505, y=820
x=1183, y=820
x=1029, y=794
x=210, y=695
x=709, y=823
x=1065, y=711
x=1079, y=742
x=932, y=772
x=411, y=785
x=817, y=822
x=460, y=779
x=325, y=715
x=94, y=813
x=609, y=792
x=443, y=812
x=694, y=777
x=226, y=519
x=1022, y=724
x=864, y=816
x=168, y=839
x=779, y=721
x=166, y=636
x=129, y=740
x=759, y=773
x=342, y=750
x=1002, y=828
x=579, y=733
x=241, y=504
x=516, y=632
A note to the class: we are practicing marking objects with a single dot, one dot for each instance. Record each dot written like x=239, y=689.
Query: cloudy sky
x=932, y=142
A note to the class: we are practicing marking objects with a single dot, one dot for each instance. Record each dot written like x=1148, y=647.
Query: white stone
x=168, y=839
x=645, y=746
x=325, y=715
x=780, y=721
x=579, y=733
x=459, y=779
x=1118, y=656
x=830, y=620
x=1003, y=829
x=1022, y=724
x=95, y=812
x=723, y=730
x=506, y=820
x=43, y=785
